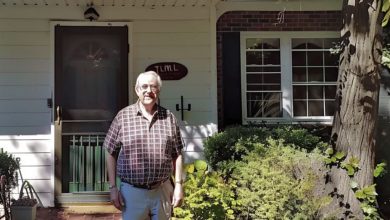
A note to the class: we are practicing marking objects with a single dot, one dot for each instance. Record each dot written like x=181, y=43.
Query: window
x=263, y=88
x=285, y=77
x=314, y=74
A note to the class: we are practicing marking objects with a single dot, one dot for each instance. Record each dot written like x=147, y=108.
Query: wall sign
x=169, y=70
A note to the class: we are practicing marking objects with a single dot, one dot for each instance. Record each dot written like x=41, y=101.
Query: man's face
x=147, y=90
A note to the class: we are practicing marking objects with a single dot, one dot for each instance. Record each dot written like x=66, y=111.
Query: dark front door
x=91, y=70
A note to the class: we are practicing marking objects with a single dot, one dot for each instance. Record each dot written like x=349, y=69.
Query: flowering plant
x=25, y=201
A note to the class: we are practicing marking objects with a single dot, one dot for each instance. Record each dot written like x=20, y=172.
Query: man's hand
x=116, y=198
x=178, y=195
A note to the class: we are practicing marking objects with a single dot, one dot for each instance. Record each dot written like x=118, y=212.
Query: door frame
x=56, y=127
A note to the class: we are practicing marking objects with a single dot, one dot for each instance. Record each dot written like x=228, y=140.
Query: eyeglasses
x=153, y=88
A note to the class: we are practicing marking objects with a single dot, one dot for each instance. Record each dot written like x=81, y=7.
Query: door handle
x=58, y=120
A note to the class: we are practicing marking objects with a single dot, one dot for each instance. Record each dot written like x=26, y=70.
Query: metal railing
x=87, y=163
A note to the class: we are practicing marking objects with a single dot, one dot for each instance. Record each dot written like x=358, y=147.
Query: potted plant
x=8, y=180
x=24, y=208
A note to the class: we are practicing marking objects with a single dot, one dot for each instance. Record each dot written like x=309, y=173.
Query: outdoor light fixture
x=91, y=13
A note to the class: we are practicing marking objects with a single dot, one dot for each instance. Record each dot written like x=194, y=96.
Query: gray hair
x=149, y=73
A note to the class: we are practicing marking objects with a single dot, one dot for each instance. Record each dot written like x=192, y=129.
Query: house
x=64, y=75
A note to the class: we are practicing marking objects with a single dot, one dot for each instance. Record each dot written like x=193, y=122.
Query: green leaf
x=354, y=184
x=386, y=5
x=329, y=151
x=369, y=210
x=354, y=162
x=200, y=165
x=339, y=155
x=360, y=194
x=350, y=170
x=190, y=168
x=328, y=161
x=379, y=169
x=370, y=190
x=386, y=19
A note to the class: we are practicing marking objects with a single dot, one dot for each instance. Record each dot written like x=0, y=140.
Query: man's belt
x=149, y=186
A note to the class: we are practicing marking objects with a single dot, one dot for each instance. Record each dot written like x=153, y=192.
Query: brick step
x=81, y=212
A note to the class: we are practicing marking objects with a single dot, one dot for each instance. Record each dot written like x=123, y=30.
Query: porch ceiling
x=107, y=3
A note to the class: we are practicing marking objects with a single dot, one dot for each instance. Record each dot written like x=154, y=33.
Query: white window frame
x=286, y=75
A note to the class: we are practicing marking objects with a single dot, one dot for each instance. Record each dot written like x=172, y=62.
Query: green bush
x=222, y=146
x=259, y=173
x=206, y=195
x=8, y=167
x=244, y=146
x=299, y=137
x=236, y=142
x=277, y=184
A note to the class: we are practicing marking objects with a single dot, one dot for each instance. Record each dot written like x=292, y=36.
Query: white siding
x=35, y=153
x=27, y=80
x=188, y=43
x=25, y=85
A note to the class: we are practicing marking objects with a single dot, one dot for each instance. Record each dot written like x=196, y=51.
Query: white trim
x=86, y=23
x=83, y=4
x=213, y=65
x=243, y=38
x=286, y=74
x=130, y=68
x=107, y=13
x=292, y=121
x=291, y=34
x=286, y=77
x=52, y=127
x=243, y=49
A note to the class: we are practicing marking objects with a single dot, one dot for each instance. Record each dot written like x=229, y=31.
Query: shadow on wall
x=193, y=136
x=35, y=163
x=25, y=130
x=383, y=154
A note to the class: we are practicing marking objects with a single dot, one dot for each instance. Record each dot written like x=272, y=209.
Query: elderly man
x=144, y=146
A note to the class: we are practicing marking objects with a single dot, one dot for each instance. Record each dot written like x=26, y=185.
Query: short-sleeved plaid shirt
x=146, y=149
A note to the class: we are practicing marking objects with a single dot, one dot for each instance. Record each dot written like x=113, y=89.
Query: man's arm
x=115, y=195
x=178, y=193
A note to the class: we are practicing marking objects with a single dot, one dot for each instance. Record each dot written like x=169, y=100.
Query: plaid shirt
x=146, y=149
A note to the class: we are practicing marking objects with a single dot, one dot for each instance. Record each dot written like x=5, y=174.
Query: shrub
x=277, y=184
x=298, y=136
x=260, y=173
x=222, y=146
x=236, y=142
x=8, y=180
x=206, y=195
x=8, y=167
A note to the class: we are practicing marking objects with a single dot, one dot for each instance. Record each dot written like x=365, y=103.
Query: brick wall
x=240, y=21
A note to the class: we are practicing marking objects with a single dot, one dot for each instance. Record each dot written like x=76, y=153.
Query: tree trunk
x=357, y=96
